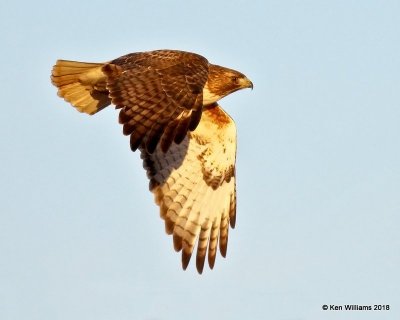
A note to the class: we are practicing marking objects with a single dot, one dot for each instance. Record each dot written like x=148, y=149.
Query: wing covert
x=159, y=93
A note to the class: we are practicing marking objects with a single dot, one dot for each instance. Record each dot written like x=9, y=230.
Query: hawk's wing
x=194, y=185
x=160, y=93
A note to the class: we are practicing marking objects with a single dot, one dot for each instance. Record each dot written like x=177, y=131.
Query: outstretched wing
x=160, y=93
x=194, y=185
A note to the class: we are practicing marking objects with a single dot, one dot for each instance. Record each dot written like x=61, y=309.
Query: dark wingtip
x=232, y=221
x=223, y=248
x=134, y=142
x=211, y=260
x=185, y=259
x=154, y=137
x=200, y=263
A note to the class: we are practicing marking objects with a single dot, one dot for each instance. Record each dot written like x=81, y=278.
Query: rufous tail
x=82, y=84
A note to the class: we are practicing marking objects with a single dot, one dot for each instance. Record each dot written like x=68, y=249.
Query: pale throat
x=209, y=97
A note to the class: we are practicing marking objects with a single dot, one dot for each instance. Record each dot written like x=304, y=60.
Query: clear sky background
x=318, y=167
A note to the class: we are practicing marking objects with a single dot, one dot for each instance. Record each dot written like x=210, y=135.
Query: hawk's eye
x=235, y=80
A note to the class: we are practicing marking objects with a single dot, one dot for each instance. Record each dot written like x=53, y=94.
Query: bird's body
x=168, y=101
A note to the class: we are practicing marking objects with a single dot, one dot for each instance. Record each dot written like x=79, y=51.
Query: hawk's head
x=221, y=82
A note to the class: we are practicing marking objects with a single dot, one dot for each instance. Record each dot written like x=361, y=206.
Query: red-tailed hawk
x=168, y=101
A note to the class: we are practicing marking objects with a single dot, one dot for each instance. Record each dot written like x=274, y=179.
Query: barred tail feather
x=82, y=84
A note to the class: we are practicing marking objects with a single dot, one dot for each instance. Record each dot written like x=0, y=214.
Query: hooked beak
x=247, y=83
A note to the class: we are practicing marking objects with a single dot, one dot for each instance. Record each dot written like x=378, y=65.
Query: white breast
x=209, y=97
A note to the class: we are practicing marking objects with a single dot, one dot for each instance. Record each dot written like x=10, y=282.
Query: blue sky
x=318, y=164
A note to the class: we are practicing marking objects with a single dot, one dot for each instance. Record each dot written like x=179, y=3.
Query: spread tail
x=82, y=84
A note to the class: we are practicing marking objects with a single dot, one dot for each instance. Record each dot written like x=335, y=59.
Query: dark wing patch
x=159, y=93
